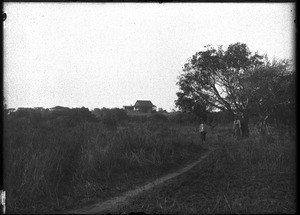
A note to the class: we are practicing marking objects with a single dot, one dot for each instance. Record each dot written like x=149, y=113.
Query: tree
x=271, y=87
x=192, y=106
x=214, y=78
x=237, y=81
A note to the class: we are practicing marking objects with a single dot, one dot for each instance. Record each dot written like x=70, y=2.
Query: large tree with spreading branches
x=229, y=80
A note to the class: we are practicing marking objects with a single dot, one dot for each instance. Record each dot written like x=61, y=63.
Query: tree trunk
x=245, y=127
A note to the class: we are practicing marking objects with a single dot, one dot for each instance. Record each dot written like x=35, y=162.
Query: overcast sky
x=112, y=54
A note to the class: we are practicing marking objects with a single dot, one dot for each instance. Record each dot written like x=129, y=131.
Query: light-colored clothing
x=202, y=130
x=202, y=127
x=237, y=124
x=237, y=128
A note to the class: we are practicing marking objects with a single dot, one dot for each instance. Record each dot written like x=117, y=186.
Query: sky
x=111, y=54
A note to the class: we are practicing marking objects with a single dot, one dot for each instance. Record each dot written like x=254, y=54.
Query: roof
x=59, y=108
x=144, y=103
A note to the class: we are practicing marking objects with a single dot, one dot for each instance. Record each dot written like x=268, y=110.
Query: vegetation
x=236, y=81
x=110, y=117
x=239, y=177
x=55, y=161
x=54, y=158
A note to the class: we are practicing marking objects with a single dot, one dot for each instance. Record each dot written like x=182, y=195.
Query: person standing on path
x=244, y=126
x=202, y=130
x=237, y=128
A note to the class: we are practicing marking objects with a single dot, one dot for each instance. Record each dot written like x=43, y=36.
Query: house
x=128, y=107
x=145, y=106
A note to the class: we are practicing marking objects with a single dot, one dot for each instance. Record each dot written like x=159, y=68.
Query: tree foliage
x=271, y=91
x=237, y=81
x=213, y=77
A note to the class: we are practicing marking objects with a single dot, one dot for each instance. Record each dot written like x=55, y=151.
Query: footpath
x=124, y=198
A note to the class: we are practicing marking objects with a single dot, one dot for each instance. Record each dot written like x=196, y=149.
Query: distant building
x=145, y=106
x=59, y=108
x=128, y=107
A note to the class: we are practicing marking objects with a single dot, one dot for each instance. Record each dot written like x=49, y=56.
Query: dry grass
x=55, y=168
x=250, y=176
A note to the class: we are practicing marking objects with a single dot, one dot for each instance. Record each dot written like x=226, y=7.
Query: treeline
x=64, y=117
x=58, y=116
x=116, y=116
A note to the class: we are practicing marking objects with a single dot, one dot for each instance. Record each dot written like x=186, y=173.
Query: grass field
x=248, y=176
x=59, y=168
x=55, y=169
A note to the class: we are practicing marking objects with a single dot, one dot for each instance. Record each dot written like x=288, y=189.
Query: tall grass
x=275, y=153
x=250, y=176
x=44, y=167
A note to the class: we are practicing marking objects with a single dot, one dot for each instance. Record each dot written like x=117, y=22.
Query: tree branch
x=227, y=105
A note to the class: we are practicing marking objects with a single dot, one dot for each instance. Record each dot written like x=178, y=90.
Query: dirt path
x=124, y=198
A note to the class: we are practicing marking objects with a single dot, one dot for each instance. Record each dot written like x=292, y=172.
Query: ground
x=206, y=191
